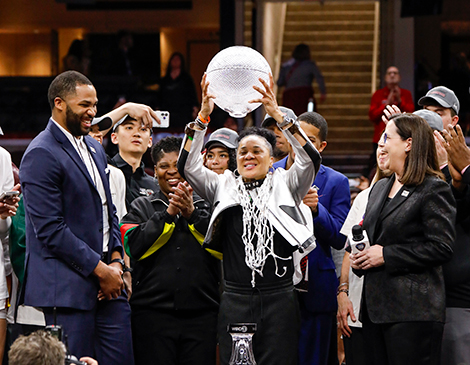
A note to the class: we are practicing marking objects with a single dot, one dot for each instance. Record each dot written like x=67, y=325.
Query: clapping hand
x=182, y=198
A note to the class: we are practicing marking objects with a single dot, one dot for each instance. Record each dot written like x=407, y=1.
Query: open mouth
x=173, y=182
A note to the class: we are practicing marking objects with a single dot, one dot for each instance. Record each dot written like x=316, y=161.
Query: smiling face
x=396, y=148
x=253, y=158
x=382, y=155
x=166, y=172
x=80, y=109
x=132, y=137
x=217, y=159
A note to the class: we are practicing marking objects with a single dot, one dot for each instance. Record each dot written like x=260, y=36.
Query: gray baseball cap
x=103, y=122
x=434, y=120
x=444, y=96
x=223, y=137
x=268, y=120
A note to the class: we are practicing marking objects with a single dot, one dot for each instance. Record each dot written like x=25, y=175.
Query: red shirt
x=378, y=104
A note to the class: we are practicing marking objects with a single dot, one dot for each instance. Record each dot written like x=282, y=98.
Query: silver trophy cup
x=242, y=343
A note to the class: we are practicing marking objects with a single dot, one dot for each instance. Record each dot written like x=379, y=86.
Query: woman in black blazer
x=410, y=221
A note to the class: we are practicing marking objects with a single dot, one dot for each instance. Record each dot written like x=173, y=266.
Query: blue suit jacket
x=64, y=222
x=333, y=207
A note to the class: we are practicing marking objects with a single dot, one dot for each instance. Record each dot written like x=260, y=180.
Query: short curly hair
x=165, y=145
x=38, y=348
x=266, y=134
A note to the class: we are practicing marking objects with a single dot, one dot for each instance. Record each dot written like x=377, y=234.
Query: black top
x=178, y=97
x=233, y=248
x=457, y=270
x=138, y=183
x=416, y=230
x=171, y=270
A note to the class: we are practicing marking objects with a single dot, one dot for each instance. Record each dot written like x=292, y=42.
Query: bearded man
x=73, y=263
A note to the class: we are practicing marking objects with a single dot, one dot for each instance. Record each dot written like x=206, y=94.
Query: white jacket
x=291, y=218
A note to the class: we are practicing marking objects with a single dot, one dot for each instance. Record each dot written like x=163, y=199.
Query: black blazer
x=416, y=229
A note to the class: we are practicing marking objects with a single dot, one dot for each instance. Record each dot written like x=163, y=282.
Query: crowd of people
x=236, y=228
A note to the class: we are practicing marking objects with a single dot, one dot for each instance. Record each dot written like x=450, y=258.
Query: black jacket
x=171, y=270
x=138, y=183
x=416, y=230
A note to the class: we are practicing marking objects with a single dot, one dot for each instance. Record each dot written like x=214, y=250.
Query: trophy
x=231, y=75
x=242, y=344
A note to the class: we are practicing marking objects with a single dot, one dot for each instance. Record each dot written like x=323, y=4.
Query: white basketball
x=232, y=73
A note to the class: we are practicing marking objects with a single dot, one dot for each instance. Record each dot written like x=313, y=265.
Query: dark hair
x=76, y=48
x=165, y=145
x=301, y=52
x=232, y=156
x=267, y=134
x=316, y=120
x=66, y=84
x=422, y=160
x=126, y=121
x=168, y=67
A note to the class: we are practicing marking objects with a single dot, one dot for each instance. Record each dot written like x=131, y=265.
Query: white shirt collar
x=73, y=140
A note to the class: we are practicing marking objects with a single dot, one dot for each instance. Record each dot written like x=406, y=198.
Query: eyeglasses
x=387, y=137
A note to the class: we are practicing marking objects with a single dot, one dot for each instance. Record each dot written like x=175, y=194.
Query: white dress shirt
x=80, y=146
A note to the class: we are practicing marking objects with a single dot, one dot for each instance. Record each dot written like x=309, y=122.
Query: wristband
x=202, y=125
x=202, y=119
x=343, y=291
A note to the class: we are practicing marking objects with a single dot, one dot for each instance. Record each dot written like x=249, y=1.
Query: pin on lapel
x=405, y=193
x=92, y=149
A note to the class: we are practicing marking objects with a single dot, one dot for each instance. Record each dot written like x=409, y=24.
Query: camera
x=70, y=359
x=56, y=331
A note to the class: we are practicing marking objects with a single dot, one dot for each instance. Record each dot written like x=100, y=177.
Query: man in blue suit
x=73, y=263
x=330, y=201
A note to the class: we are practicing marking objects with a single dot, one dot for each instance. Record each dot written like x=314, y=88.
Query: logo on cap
x=438, y=93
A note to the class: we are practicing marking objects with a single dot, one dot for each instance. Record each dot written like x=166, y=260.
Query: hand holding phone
x=164, y=119
x=9, y=195
x=9, y=203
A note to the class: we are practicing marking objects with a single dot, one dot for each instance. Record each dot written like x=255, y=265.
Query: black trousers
x=275, y=311
x=174, y=337
x=403, y=343
x=354, y=347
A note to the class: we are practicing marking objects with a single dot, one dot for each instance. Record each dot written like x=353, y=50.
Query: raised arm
x=300, y=176
x=190, y=163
